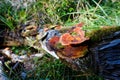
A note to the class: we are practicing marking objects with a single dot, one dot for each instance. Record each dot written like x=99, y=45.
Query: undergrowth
x=94, y=14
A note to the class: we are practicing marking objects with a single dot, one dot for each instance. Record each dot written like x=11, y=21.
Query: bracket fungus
x=69, y=44
x=74, y=36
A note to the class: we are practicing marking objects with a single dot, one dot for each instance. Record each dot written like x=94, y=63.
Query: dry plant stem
x=85, y=74
x=97, y=6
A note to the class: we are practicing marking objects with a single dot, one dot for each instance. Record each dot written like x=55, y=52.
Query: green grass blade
x=100, y=8
x=7, y=22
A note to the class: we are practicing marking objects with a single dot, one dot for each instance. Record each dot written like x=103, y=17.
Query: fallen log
x=106, y=57
x=101, y=42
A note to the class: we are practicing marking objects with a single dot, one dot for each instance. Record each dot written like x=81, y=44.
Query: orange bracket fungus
x=68, y=45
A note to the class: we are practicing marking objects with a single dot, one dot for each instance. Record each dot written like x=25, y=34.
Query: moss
x=59, y=46
x=98, y=35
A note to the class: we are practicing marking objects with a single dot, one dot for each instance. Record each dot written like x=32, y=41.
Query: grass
x=49, y=68
x=97, y=16
x=94, y=14
x=12, y=17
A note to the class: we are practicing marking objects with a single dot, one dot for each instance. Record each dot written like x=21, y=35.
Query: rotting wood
x=75, y=63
